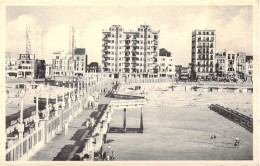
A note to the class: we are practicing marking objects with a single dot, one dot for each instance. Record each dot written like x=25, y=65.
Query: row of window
x=206, y=33
x=205, y=69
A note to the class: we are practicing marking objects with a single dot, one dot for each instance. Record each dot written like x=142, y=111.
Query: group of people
x=90, y=122
x=93, y=104
x=236, y=144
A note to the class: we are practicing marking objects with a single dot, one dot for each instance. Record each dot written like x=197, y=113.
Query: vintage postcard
x=130, y=82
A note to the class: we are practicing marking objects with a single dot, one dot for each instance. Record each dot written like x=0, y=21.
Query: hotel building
x=202, y=54
x=130, y=53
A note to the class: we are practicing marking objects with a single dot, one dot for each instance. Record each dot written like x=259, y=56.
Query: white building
x=203, y=53
x=166, y=64
x=26, y=66
x=130, y=53
x=10, y=66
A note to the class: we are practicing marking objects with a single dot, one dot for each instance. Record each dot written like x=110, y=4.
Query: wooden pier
x=241, y=119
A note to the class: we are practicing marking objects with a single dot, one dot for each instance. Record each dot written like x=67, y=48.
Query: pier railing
x=30, y=144
x=127, y=103
x=27, y=146
x=241, y=119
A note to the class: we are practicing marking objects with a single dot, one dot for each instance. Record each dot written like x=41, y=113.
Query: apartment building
x=203, y=53
x=80, y=61
x=60, y=64
x=10, y=66
x=249, y=68
x=130, y=53
x=231, y=64
x=241, y=65
x=26, y=66
x=220, y=58
x=165, y=64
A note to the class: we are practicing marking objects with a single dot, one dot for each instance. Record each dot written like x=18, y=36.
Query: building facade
x=60, y=64
x=249, y=68
x=130, y=53
x=10, y=66
x=241, y=65
x=203, y=53
x=220, y=58
x=165, y=64
x=93, y=67
x=80, y=61
x=40, y=67
x=26, y=66
x=48, y=70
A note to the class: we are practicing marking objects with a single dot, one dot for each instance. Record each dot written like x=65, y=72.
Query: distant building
x=220, y=66
x=80, y=59
x=93, y=67
x=202, y=55
x=130, y=53
x=166, y=64
x=10, y=66
x=241, y=65
x=185, y=74
x=178, y=71
x=249, y=68
x=26, y=66
x=40, y=67
x=48, y=70
x=60, y=64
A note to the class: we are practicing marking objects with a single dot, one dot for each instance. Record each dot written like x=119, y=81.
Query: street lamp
x=21, y=125
x=37, y=119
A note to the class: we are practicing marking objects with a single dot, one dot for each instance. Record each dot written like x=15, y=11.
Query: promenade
x=62, y=147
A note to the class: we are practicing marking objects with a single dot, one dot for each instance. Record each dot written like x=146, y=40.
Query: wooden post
x=141, y=121
x=124, y=120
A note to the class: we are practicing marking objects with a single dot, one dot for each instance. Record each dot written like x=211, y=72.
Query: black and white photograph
x=133, y=81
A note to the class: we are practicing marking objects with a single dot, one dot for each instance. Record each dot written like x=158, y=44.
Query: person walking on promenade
x=92, y=121
x=87, y=123
x=66, y=127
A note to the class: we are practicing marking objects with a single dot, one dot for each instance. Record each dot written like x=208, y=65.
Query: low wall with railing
x=147, y=80
x=47, y=130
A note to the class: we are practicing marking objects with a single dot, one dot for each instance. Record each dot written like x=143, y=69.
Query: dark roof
x=93, y=64
x=164, y=52
x=248, y=58
x=80, y=51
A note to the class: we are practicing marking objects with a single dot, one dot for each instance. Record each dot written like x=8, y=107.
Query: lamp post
x=47, y=107
x=78, y=92
x=63, y=98
x=69, y=99
x=21, y=125
x=37, y=118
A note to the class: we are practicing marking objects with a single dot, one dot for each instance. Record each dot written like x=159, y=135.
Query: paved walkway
x=62, y=146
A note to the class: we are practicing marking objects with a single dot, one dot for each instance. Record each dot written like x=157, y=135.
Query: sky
x=49, y=27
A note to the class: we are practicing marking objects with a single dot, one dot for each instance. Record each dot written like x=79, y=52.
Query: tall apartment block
x=203, y=53
x=130, y=53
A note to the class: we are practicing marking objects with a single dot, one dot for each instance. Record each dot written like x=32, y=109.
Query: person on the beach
x=113, y=156
x=237, y=142
x=213, y=137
